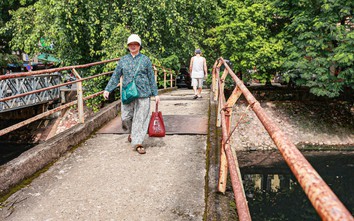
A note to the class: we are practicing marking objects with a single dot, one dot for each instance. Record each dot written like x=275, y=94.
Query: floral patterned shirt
x=144, y=75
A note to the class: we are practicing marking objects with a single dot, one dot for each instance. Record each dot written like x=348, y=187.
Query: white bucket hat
x=134, y=38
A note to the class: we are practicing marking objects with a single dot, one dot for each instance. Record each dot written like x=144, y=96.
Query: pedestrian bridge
x=96, y=175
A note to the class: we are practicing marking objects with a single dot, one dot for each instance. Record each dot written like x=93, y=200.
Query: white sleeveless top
x=198, y=67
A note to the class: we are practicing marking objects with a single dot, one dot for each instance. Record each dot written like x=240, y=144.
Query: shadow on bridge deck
x=181, y=115
x=104, y=179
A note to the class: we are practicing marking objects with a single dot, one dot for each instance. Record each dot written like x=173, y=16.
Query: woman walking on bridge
x=135, y=115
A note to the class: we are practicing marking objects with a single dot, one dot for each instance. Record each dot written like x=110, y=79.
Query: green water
x=274, y=194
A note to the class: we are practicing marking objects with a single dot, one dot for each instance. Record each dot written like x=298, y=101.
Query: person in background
x=135, y=115
x=199, y=71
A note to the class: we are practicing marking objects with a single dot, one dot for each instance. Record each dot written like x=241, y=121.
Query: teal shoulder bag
x=130, y=91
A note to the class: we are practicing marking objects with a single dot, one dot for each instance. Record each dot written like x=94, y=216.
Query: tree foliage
x=250, y=36
x=6, y=35
x=85, y=30
x=310, y=41
x=321, y=44
x=5, y=7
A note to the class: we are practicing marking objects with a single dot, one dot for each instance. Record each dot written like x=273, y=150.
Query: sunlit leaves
x=313, y=40
x=248, y=36
x=80, y=29
x=321, y=36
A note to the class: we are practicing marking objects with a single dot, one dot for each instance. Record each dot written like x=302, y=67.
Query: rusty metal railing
x=80, y=97
x=325, y=202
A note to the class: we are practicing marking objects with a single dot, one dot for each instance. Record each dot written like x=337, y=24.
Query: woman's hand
x=157, y=99
x=105, y=95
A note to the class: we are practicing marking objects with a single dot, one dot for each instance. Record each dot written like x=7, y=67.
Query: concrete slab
x=182, y=114
x=174, y=124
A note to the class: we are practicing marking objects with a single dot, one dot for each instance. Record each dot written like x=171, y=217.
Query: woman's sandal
x=140, y=149
x=129, y=139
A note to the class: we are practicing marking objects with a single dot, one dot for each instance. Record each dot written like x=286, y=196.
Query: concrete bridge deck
x=104, y=179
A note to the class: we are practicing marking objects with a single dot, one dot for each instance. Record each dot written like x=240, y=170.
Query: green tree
x=249, y=34
x=170, y=28
x=5, y=7
x=321, y=47
x=6, y=34
x=80, y=29
x=74, y=27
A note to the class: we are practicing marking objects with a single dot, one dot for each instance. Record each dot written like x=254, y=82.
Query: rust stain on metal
x=240, y=198
x=52, y=70
x=237, y=186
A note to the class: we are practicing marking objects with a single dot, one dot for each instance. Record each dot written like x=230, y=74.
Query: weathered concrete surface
x=39, y=156
x=43, y=154
x=174, y=124
x=104, y=179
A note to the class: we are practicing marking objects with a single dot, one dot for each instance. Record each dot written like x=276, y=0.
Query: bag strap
x=157, y=108
x=136, y=70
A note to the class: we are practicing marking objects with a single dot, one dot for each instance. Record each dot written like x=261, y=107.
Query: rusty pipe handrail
x=240, y=198
x=52, y=70
x=45, y=114
x=53, y=87
x=325, y=202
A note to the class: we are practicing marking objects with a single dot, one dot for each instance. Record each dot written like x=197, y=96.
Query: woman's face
x=134, y=48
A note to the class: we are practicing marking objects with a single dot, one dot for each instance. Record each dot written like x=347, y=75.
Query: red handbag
x=156, y=125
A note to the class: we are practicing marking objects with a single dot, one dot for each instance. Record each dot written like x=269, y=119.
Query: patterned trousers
x=135, y=119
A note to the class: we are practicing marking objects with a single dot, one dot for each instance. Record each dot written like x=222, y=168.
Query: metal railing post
x=213, y=80
x=223, y=168
x=218, y=114
x=164, y=79
x=80, y=97
x=120, y=85
x=176, y=74
x=155, y=73
x=229, y=158
x=171, y=79
x=217, y=79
